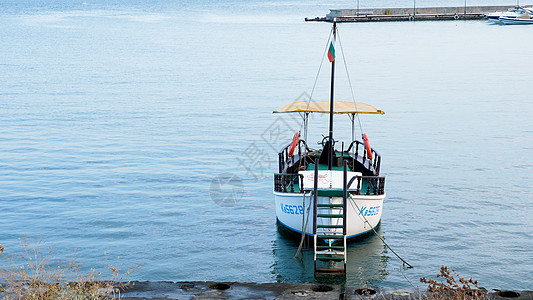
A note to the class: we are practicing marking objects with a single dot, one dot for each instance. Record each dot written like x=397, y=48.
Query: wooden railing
x=360, y=151
x=284, y=153
x=283, y=157
x=288, y=183
x=375, y=185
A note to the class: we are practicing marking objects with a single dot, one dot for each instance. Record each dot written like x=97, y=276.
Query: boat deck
x=292, y=183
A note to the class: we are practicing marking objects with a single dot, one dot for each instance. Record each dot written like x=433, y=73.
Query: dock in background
x=409, y=14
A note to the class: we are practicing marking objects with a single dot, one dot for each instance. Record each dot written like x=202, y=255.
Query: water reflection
x=367, y=262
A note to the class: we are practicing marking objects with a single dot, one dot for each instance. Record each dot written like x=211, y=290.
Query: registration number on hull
x=292, y=209
x=369, y=211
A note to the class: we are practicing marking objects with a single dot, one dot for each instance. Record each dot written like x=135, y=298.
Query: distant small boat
x=524, y=18
x=511, y=13
x=509, y=17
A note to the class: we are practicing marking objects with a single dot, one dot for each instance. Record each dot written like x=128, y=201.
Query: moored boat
x=524, y=18
x=294, y=182
x=518, y=15
x=331, y=194
x=511, y=13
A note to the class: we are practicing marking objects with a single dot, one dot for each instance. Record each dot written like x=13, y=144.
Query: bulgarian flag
x=331, y=51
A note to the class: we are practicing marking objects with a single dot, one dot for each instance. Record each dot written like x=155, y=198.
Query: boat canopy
x=340, y=107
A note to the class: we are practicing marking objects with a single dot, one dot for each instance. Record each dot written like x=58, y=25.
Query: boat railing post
x=352, y=119
x=344, y=195
x=378, y=165
x=306, y=120
x=315, y=198
x=291, y=178
x=280, y=162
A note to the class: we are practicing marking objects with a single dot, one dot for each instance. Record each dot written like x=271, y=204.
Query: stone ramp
x=230, y=290
x=279, y=291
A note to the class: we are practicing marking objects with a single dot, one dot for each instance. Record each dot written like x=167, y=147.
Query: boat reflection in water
x=367, y=261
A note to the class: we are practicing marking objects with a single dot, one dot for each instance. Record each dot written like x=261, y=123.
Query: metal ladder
x=324, y=228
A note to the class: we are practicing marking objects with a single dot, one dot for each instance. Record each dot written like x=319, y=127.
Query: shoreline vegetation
x=35, y=273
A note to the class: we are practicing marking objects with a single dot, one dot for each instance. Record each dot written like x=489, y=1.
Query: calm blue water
x=116, y=118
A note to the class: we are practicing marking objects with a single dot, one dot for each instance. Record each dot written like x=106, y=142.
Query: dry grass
x=452, y=286
x=34, y=273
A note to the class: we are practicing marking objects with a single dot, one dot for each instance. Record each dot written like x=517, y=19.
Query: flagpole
x=331, y=106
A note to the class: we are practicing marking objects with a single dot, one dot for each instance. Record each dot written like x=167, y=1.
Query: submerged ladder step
x=329, y=215
x=330, y=247
x=329, y=205
x=324, y=271
x=328, y=226
x=330, y=252
x=325, y=257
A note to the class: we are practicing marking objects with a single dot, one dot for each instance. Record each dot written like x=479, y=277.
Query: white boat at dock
x=517, y=15
x=495, y=16
x=522, y=19
x=331, y=194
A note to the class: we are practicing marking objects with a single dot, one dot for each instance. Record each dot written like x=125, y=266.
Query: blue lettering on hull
x=292, y=209
x=369, y=211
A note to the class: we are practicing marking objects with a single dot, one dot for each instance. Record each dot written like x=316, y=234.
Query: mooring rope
x=350, y=83
x=319, y=68
x=317, y=75
x=314, y=84
x=379, y=236
x=304, y=226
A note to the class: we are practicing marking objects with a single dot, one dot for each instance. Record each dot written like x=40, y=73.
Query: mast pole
x=331, y=100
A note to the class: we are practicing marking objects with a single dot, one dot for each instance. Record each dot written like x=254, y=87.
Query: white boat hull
x=515, y=21
x=293, y=210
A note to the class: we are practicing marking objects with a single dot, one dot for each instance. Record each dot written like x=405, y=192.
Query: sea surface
x=141, y=134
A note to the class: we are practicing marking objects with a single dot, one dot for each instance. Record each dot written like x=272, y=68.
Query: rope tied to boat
x=304, y=224
x=304, y=117
x=319, y=68
x=356, y=115
x=379, y=236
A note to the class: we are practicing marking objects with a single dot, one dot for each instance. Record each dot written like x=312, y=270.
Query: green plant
x=36, y=274
x=451, y=288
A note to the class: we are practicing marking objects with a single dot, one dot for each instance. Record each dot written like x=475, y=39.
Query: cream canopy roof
x=340, y=107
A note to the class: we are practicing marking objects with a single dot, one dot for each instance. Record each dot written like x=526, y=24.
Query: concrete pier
x=409, y=14
x=279, y=291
